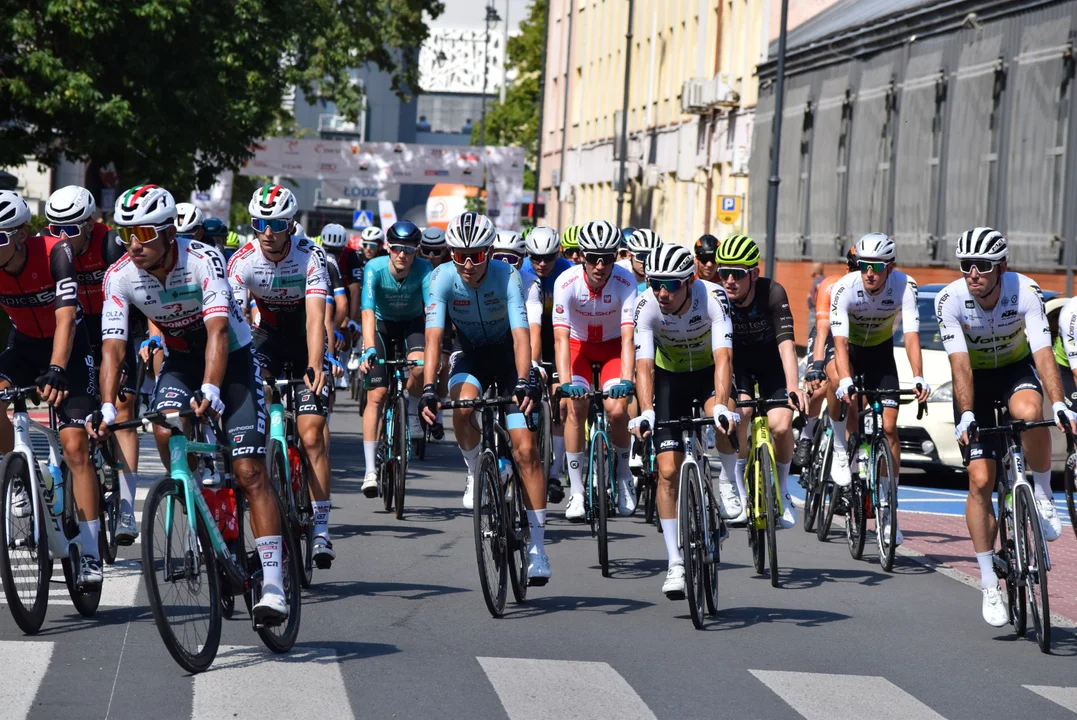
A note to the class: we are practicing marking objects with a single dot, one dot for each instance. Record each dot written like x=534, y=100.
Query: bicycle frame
x=1013, y=474
x=43, y=489
x=760, y=440
x=279, y=422
x=690, y=440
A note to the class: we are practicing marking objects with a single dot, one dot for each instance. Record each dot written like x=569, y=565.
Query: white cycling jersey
x=867, y=319
x=532, y=295
x=194, y=291
x=995, y=338
x=594, y=315
x=280, y=288
x=687, y=341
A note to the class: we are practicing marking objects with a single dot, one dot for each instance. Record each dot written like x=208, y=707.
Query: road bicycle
x=547, y=418
x=815, y=477
x=502, y=532
x=1070, y=478
x=395, y=444
x=646, y=475
x=40, y=521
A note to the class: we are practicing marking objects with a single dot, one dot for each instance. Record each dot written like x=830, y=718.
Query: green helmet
x=570, y=238
x=233, y=239
x=737, y=250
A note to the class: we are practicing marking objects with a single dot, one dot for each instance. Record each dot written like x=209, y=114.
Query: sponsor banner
x=357, y=189
x=215, y=202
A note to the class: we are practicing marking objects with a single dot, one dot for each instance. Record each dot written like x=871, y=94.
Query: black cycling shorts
x=272, y=351
x=244, y=417
x=828, y=349
x=26, y=358
x=876, y=363
x=388, y=334
x=674, y=394
x=484, y=367
x=760, y=367
x=992, y=387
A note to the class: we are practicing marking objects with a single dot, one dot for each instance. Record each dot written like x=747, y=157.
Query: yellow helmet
x=232, y=241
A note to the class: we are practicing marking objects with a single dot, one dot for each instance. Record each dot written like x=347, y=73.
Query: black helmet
x=404, y=231
x=626, y=233
x=706, y=245
x=215, y=227
x=850, y=258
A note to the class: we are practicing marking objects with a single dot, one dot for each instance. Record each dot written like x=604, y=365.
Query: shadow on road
x=738, y=618
x=566, y=603
x=807, y=578
x=321, y=592
x=402, y=530
x=104, y=617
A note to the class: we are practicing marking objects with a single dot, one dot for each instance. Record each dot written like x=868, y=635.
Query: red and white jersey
x=594, y=315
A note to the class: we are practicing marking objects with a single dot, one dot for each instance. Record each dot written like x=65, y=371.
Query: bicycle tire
x=1008, y=553
x=304, y=515
x=770, y=497
x=887, y=541
x=86, y=603
x=545, y=435
x=710, y=570
x=1071, y=490
x=599, y=484
x=27, y=609
x=854, y=518
x=109, y=518
x=518, y=539
x=276, y=459
x=282, y=641
x=386, y=472
x=167, y=490
x=813, y=485
x=691, y=525
x=1035, y=581
x=757, y=536
x=354, y=382
x=829, y=493
x=400, y=452
x=489, y=524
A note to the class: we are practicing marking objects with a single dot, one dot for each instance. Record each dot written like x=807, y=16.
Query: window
x=447, y=113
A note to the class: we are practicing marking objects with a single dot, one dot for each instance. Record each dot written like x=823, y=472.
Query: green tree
x=515, y=122
x=174, y=91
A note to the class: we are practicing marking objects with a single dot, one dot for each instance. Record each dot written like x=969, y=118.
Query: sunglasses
x=371, y=245
x=550, y=257
x=671, y=286
x=509, y=258
x=462, y=257
x=65, y=230
x=594, y=258
x=981, y=266
x=7, y=236
x=432, y=252
x=733, y=273
x=875, y=266
x=705, y=258
x=406, y=249
x=641, y=256
x=143, y=233
x=275, y=225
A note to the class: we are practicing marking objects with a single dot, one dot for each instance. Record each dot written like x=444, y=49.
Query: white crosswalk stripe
x=253, y=682
x=1064, y=696
x=25, y=664
x=540, y=689
x=824, y=696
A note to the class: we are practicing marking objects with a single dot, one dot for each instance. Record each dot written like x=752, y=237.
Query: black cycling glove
x=55, y=377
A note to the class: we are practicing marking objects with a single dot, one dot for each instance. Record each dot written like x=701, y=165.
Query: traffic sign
x=362, y=219
x=728, y=209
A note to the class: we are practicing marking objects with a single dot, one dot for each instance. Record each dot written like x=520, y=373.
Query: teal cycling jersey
x=392, y=299
x=482, y=316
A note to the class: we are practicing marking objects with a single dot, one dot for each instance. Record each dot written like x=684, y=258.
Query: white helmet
x=982, y=243
x=188, y=218
x=334, y=236
x=433, y=237
x=69, y=205
x=372, y=234
x=643, y=240
x=542, y=241
x=599, y=236
x=509, y=241
x=876, y=246
x=670, y=262
x=298, y=231
x=145, y=205
x=14, y=212
x=272, y=202
x=470, y=230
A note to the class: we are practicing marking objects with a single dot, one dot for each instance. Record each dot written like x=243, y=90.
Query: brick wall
x=795, y=277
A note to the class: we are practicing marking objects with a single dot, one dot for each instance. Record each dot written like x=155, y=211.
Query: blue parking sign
x=729, y=204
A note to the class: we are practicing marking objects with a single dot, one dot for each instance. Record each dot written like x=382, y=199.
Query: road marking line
x=1064, y=696
x=119, y=589
x=949, y=493
x=250, y=682
x=564, y=689
x=25, y=664
x=826, y=696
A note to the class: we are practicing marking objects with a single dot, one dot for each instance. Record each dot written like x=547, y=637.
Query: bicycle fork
x=1017, y=468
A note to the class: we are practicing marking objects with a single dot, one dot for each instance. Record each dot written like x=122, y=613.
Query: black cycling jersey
x=766, y=320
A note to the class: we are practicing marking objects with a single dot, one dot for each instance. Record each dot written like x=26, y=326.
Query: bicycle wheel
x=386, y=470
x=25, y=563
x=813, y=481
x=1007, y=555
x=490, y=530
x=829, y=494
x=278, y=638
x=545, y=436
x=885, y=515
x=182, y=583
x=1071, y=490
x=757, y=535
x=691, y=525
x=400, y=451
x=1031, y=544
x=85, y=603
x=770, y=498
x=519, y=536
x=598, y=479
x=304, y=517
x=714, y=541
x=110, y=508
x=854, y=518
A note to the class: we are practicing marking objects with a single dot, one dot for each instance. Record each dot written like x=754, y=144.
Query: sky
x=470, y=13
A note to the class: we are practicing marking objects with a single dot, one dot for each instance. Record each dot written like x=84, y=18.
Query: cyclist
x=570, y=246
x=287, y=278
x=623, y=250
x=209, y=349
x=334, y=239
x=373, y=243
x=231, y=244
x=395, y=292
x=48, y=346
x=863, y=309
x=641, y=244
x=189, y=222
x=484, y=300
x=434, y=249
x=433, y=246
x=764, y=355
x=544, y=259
x=684, y=342
x=705, y=248
x=215, y=233
x=592, y=323
x=996, y=336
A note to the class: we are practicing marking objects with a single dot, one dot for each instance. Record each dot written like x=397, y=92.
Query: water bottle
x=862, y=460
x=505, y=468
x=57, y=489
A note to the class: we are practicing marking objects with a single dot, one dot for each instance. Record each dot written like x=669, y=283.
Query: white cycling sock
x=988, y=578
x=841, y=443
x=558, y=456
x=471, y=458
x=88, y=531
x=128, y=485
x=575, y=471
x=1042, y=481
x=669, y=534
x=370, y=449
x=729, y=468
x=537, y=520
x=738, y=477
x=783, y=478
x=269, y=551
x=624, y=472
x=321, y=518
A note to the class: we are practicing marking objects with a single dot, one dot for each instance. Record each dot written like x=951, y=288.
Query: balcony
x=334, y=124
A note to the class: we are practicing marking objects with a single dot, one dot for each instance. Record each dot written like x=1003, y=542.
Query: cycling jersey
x=541, y=294
x=392, y=299
x=594, y=314
x=351, y=266
x=823, y=296
x=483, y=316
x=280, y=288
x=868, y=319
x=1009, y=332
x=684, y=342
x=765, y=321
x=336, y=280
x=194, y=290
x=47, y=282
x=532, y=305
x=100, y=251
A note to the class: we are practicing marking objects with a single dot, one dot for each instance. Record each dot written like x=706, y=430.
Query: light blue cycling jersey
x=394, y=300
x=484, y=316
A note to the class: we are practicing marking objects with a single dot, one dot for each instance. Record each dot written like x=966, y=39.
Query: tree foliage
x=177, y=90
x=515, y=122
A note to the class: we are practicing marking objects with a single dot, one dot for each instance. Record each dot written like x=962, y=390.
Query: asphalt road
x=398, y=628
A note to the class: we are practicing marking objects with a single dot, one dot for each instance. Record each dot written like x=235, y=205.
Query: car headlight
x=943, y=393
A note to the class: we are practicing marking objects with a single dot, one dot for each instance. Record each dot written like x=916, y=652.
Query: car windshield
x=930, y=337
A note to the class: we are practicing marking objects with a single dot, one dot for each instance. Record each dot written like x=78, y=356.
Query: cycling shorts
x=583, y=355
x=828, y=349
x=762, y=367
x=272, y=351
x=993, y=387
x=26, y=358
x=486, y=366
x=674, y=394
x=244, y=418
x=387, y=334
x=1069, y=387
x=876, y=363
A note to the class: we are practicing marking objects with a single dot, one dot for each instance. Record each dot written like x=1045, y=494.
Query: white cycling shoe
x=272, y=608
x=673, y=587
x=538, y=569
x=469, y=493
x=626, y=496
x=839, y=470
x=729, y=503
x=1049, y=521
x=574, y=512
x=789, y=516
x=995, y=612
x=370, y=484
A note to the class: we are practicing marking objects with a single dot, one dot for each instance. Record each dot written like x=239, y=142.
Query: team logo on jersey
x=559, y=309
x=970, y=304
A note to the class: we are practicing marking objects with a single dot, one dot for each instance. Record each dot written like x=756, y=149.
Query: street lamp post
x=491, y=17
x=541, y=108
x=775, y=148
x=624, y=115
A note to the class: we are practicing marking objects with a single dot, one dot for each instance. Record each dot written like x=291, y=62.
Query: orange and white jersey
x=594, y=315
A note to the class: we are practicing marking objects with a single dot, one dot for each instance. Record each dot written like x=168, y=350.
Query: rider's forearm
x=521, y=347
x=111, y=361
x=432, y=355
x=628, y=353
x=1048, y=370
x=536, y=342
x=822, y=331
x=562, y=356
x=916, y=358
x=316, y=331
x=64, y=338
x=723, y=375
x=340, y=311
x=354, y=305
x=216, y=351
x=841, y=357
x=961, y=371
x=370, y=326
x=788, y=352
x=645, y=385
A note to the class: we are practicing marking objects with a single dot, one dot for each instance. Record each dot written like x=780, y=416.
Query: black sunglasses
x=550, y=257
x=594, y=258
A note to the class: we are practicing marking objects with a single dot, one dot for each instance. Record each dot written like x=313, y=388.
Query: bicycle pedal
x=537, y=582
x=323, y=563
